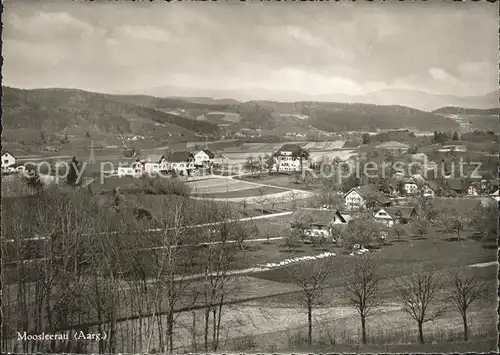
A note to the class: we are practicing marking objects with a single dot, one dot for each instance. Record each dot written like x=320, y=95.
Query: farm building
x=289, y=158
x=410, y=185
x=155, y=163
x=181, y=161
x=204, y=157
x=364, y=197
x=319, y=222
x=8, y=161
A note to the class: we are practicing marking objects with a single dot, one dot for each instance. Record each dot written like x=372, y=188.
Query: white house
x=362, y=197
x=155, y=163
x=181, y=162
x=354, y=200
x=288, y=158
x=472, y=190
x=410, y=186
x=126, y=171
x=496, y=196
x=319, y=222
x=8, y=161
x=382, y=216
x=204, y=157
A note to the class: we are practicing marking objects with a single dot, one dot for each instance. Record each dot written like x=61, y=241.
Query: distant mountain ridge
x=412, y=98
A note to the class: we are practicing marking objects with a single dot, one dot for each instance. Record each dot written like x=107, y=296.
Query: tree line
x=93, y=274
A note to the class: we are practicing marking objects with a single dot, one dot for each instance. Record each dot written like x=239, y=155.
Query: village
x=255, y=177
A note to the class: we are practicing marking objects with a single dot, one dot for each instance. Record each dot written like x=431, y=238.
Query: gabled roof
x=403, y=211
x=320, y=217
x=180, y=156
x=408, y=180
x=7, y=152
x=385, y=209
x=455, y=184
x=289, y=147
x=153, y=158
x=368, y=191
x=494, y=182
x=208, y=152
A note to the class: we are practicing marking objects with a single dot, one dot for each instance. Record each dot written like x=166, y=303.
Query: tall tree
x=467, y=289
x=419, y=293
x=311, y=279
x=269, y=162
x=362, y=290
x=455, y=136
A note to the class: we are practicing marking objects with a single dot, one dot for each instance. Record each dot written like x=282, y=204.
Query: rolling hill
x=59, y=111
x=473, y=119
x=70, y=111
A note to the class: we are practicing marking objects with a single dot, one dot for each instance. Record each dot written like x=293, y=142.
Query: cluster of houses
x=183, y=163
x=369, y=202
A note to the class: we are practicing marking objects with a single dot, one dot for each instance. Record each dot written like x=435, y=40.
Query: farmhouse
x=393, y=147
x=204, y=157
x=126, y=171
x=402, y=214
x=319, y=222
x=367, y=196
x=155, y=163
x=8, y=161
x=474, y=189
x=410, y=186
x=288, y=157
x=181, y=161
x=382, y=216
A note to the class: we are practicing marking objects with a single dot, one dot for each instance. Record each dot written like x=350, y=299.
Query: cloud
x=439, y=74
x=49, y=25
x=350, y=48
x=147, y=33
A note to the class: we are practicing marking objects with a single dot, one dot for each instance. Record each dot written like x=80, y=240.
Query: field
x=244, y=193
x=268, y=308
x=219, y=185
x=236, y=190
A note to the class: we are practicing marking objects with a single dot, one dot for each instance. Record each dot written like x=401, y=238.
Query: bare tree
x=420, y=227
x=274, y=200
x=467, y=289
x=262, y=199
x=362, y=291
x=252, y=165
x=293, y=196
x=453, y=223
x=418, y=293
x=311, y=279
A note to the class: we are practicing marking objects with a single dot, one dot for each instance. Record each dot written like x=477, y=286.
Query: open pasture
x=219, y=185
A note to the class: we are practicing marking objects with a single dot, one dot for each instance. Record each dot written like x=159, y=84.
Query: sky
x=314, y=48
